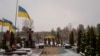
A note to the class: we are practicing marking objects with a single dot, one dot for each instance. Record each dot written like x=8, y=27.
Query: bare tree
x=27, y=24
x=70, y=27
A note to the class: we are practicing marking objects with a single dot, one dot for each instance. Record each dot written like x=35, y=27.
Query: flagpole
x=2, y=30
x=2, y=27
x=16, y=17
x=16, y=12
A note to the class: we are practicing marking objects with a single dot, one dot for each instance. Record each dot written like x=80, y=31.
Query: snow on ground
x=70, y=52
x=35, y=52
x=63, y=52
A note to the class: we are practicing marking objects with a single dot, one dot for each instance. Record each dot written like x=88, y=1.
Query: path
x=50, y=51
x=70, y=52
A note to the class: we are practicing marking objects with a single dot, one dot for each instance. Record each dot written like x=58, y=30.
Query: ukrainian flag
x=8, y=23
x=12, y=28
x=23, y=13
x=1, y=22
x=6, y=20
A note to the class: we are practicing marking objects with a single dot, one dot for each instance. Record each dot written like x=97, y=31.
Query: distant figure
x=6, y=41
x=30, y=41
x=30, y=34
x=19, y=41
x=13, y=41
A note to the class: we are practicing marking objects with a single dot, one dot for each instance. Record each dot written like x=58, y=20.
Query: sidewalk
x=33, y=52
x=50, y=51
x=70, y=52
x=36, y=52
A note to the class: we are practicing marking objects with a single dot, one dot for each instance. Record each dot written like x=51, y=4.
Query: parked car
x=67, y=46
x=41, y=45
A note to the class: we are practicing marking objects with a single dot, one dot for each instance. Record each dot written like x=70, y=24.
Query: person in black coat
x=6, y=41
x=12, y=41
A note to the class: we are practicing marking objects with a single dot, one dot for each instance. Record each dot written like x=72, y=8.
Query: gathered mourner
x=13, y=41
x=19, y=41
x=8, y=41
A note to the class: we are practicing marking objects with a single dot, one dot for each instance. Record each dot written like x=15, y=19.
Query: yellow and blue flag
x=6, y=20
x=1, y=22
x=12, y=28
x=23, y=13
x=8, y=23
x=4, y=23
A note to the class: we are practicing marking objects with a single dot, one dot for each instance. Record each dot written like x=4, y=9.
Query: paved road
x=53, y=51
x=58, y=51
x=50, y=51
x=70, y=52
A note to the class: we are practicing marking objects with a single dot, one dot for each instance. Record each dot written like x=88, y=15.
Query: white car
x=67, y=46
x=41, y=45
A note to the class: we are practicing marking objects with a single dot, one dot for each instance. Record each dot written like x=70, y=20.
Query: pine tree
x=90, y=49
x=83, y=43
x=71, y=39
x=53, y=32
x=98, y=45
x=87, y=41
x=58, y=35
x=93, y=42
x=58, y=38
x=79, y=41
x=98, y=40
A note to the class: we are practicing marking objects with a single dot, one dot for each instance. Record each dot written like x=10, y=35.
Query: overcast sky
x=48, y=14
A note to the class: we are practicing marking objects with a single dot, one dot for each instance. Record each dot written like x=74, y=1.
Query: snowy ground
x=70, y=52
x=65, y=52
x=62, y=52
x=35, y=52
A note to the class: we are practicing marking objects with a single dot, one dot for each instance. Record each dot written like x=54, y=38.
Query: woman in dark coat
x=6, y=41
x=12, y=41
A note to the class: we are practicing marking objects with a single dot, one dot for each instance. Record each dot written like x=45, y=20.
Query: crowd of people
x=11, y=42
